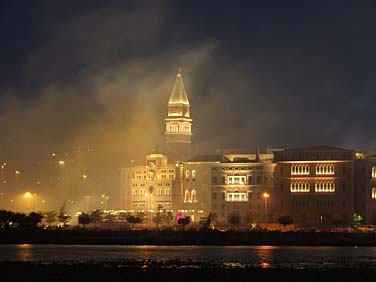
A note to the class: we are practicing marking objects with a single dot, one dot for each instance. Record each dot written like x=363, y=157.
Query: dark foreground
x=192, y=237
x=24, y=271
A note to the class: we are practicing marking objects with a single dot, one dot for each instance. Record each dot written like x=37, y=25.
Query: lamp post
x=266, y=196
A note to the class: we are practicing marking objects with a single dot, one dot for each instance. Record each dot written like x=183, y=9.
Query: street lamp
x=3, y=172
x=266, y=196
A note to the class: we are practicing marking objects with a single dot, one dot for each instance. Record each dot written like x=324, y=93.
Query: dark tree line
x=17, y=220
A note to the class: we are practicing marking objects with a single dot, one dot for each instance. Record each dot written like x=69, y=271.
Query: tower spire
x=178, y=122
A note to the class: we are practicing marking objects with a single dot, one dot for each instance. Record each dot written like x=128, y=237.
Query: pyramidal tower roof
x=178, y=94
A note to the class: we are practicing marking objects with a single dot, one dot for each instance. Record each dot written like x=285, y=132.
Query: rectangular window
x=214, y=180
x=237, y=197
x=214, y=195
x=236, y=179
x=167, y=191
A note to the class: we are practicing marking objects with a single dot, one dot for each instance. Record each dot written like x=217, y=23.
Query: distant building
x=149, y=186
x=315, y=185
x=365, y=182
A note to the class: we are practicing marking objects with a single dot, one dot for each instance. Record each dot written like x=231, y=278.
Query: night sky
x=97, y=75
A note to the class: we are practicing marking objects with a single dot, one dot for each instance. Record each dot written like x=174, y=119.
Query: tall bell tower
x=178, y=123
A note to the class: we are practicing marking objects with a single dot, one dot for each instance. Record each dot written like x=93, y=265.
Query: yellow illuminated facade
x=148, y=187
x=178, y=124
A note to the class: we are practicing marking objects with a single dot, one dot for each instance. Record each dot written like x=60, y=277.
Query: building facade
x=315, y=186
x=365, y=181
x=148, y=187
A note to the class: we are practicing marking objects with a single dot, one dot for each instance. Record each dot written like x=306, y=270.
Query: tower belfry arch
x=178, y=133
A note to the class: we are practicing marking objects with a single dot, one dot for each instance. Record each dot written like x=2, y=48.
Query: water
x=196, y=256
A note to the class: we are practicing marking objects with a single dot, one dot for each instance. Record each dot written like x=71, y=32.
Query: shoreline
x=186, y=238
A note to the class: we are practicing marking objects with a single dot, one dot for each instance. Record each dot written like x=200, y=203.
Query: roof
x=318, y=149
x=178, y=94
x=210, y=158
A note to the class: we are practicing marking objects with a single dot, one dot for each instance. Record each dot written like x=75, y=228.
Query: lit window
x=325, y=186
x=374, y=193
x=300, y=187
x=134, y=192
x=187, y=173
x=193, y=173
x=193, y=196
x=374, y=172
x=301, y=169
x=167, y=191
x=236, y=196
x=159, y=192
x=142, y=192
x=186, y=196
x=236, y=179
x=325, y=169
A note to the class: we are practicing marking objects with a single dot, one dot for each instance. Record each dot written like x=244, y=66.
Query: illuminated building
x=314, y=186
x=365, y=194
x=231, y=183
x=178, y=133
x=149, y=186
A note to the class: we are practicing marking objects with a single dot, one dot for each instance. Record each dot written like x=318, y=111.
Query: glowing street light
x=3, y=172
x=266, y=196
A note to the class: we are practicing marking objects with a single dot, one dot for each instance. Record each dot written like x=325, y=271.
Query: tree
x=158, y=219
x=50, y=217
x=285, y=220
x=134, y=220
x=357, y=220
x=5, y=218
x=184, y=221
x=84, y=219
x=234, y=219
x=96, y=216
x=207, y=221
x=63, y=217
x=19, y=220
x=33, y=219
x=167, y=217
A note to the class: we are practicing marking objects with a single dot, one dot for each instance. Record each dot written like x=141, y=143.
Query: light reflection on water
x=195, y=256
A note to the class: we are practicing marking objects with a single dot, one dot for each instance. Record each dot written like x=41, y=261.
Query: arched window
x=374, y=172
x=193, y=196
x=186, y=196
x=374, y=193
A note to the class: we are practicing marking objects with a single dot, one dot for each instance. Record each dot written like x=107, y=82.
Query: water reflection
x=148, y=257
x=24, y=252
x=265, y=255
